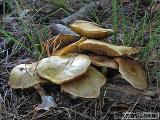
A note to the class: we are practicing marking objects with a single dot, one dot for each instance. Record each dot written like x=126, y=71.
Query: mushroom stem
x=104, y=70
x=40, y=90
x=47, y=101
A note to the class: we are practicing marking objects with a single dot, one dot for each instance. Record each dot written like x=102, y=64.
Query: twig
x=81, y=13
x=127, y=94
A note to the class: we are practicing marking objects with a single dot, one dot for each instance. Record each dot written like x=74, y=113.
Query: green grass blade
x=8, y=35
x=115, y=17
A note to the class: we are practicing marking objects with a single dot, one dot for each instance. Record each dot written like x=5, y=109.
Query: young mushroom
x=90, y=29
x=61, y=69
x=25, y=76
x=87, y=85
x=132, y=72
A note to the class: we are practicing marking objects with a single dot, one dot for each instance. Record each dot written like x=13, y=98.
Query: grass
x=15, y=40
x=64, y=4
x=96, y=16
x=131, y=36
x=54, y=13
x=115, y=17
x=34, y=35
x=135, y=34
x=34, y=38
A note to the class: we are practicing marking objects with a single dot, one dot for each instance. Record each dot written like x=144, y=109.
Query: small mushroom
x=132, y=72
x=103, y=61
x=72, y=48
x=86, y=86
x=90, y=29
x=47, y=100
x=103, y=48
x=60, y=69
x=24, y=76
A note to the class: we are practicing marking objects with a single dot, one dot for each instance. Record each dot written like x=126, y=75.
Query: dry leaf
x=58, y=42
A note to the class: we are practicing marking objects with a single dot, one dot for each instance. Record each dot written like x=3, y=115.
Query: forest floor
x=137, y=24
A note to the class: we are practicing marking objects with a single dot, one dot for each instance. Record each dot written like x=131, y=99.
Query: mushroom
x=86, y=86
x=56, y=52
x=90, y=29
x=25, y=76
x=104, y=48
x=103, y=61
x=132, y=72
x=60, y=69
x=72, y=48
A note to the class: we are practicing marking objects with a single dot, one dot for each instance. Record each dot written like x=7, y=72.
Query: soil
x=21, y=104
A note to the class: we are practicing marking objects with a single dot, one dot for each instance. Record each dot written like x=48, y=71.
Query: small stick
x=128, y=94
x=81, y=13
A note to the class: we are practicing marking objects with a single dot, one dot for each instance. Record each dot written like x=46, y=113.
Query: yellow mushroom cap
x=24, y=76
x=132, y=72
x=103, y=48
x=103, y=61
x=90, y=29
x=56, y=52
x=72, y=48
x=86, y=86
x=60, y=69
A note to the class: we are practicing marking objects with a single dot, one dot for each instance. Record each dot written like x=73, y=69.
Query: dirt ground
x=21, y=104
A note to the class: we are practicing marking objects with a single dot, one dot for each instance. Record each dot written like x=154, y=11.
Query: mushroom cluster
x=71, y=59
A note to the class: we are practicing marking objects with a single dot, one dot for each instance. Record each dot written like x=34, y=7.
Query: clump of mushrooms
x=70, y=64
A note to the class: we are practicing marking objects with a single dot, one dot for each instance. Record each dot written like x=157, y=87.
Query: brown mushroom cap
x=24, y=76
x=90, y=29
x=103, y=48
x=60, y=69
x=72, y=48
x=132, y=72
x=86, y=86
x=103, y=61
